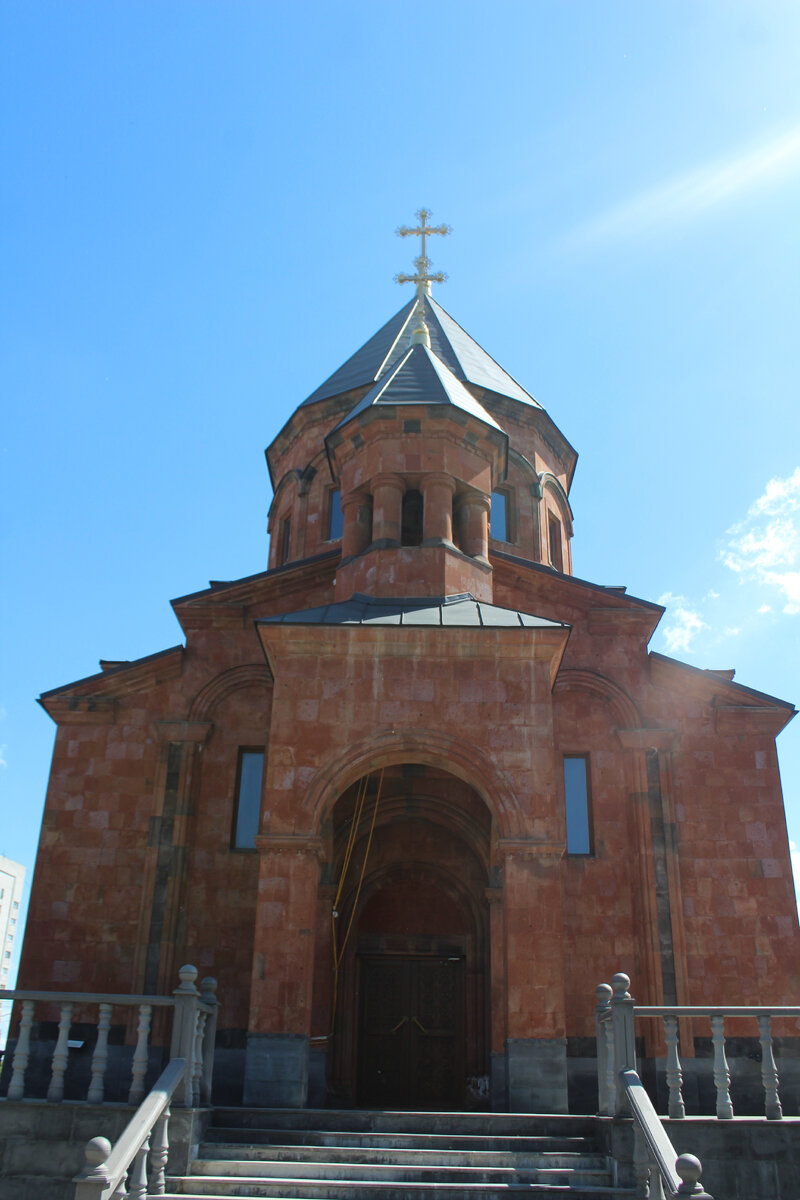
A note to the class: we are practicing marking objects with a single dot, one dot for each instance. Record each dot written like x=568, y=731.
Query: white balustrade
x=191, y=1012
x=140, y=1054
x=19, y=1062
x=56, y=1089
x=100, y=1057
x=620, y=1091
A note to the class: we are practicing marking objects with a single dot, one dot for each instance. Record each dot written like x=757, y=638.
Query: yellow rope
x=338, y=952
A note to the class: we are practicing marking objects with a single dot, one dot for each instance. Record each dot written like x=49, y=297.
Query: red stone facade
x=469, y=920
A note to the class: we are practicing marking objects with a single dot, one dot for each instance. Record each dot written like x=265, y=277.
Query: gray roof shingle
x=449, y=611
x=468, y=361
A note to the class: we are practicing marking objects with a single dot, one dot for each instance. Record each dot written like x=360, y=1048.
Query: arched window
x=554, y=538
x=411, y=530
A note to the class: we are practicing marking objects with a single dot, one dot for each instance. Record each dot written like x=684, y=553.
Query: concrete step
x=575, y=1174
x=398, y=1141
x=222, y=1187
x=400, y=1156
x=345, y=1120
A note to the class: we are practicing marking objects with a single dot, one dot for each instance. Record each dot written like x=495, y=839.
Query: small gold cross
x=423, y=278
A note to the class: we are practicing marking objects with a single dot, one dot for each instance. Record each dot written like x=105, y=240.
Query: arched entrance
x=408, y=1001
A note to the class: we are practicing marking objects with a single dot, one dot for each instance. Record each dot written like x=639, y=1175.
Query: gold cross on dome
x=423, y=278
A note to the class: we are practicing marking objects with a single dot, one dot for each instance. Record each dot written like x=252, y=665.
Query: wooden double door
x=411, y=1032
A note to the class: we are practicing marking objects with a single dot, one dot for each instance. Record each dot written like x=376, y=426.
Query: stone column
x=387, y=508
x=475, y=526
x=437, y=492
x=536, y=1045
x=357, y=524
x=277, y=1061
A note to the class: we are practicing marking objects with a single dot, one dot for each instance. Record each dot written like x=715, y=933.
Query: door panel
x=411, y=1049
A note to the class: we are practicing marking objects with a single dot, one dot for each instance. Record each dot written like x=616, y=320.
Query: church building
x=414, y=790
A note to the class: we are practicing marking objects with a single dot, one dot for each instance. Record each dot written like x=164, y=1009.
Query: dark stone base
x=536, y=1071
x=276, y=1070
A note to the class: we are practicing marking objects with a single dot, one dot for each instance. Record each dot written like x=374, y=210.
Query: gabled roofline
x=542, y=569
x=105, y=676
x=718, y=682
x=219, y=586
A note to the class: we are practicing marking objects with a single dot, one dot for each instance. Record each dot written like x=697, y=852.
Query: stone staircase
x=327, y=1154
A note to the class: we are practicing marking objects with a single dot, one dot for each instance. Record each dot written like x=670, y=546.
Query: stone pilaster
x=279, y=1029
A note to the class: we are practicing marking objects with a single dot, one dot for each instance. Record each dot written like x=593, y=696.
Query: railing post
x=622, y=1006
x=19, y=1063
x=93, y=1179
x=602, y=1017
x=769, y=1071
x=722, y=1075
x=184, y=1026
x=677, y=1109
x=100, y=1057
x=55, y=1091
x=690, y=1169
x=209, y=998
x=159, y=1154
x=140, y=1054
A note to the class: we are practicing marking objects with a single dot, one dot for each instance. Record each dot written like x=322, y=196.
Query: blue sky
x=198, y=212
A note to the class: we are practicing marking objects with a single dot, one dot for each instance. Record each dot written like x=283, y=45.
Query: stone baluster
x=769, y=1071
x=184, y=1027
x=100, y=1056
x=197, y=1057
x=121, y=1192
x=159, y=1155
x=19, y=1064
x=209, y=997
x=641, y=1164
x=137, y=1179
x=677, y=1110
x=140, y=1054
x=722, y=1075
x=60, y=1055
x=605, y=1046
x=622, y=1007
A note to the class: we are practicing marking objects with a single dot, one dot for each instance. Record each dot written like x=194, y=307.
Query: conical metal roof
x=377, y=358
x=421, y=378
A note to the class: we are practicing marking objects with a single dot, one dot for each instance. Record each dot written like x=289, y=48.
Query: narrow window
x=554, y=531
x=335, y=516
x=248, y=799
x=285, y=542
x=411, y=533
x=498, y=517
x=576, y=800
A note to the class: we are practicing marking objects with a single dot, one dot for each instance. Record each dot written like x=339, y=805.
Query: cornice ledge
x=647, y=739
x=290, y=843
x=529, y=848
x=181, y=730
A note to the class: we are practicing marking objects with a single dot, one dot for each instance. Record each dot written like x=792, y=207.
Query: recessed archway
x=408, y=880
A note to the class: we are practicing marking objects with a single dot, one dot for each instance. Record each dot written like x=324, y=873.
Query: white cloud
x=686, y=196
x=765, y=546
x=765, y=608
x=732, y=631
x=712, y=595
x=683, y=622
x=3, y=759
